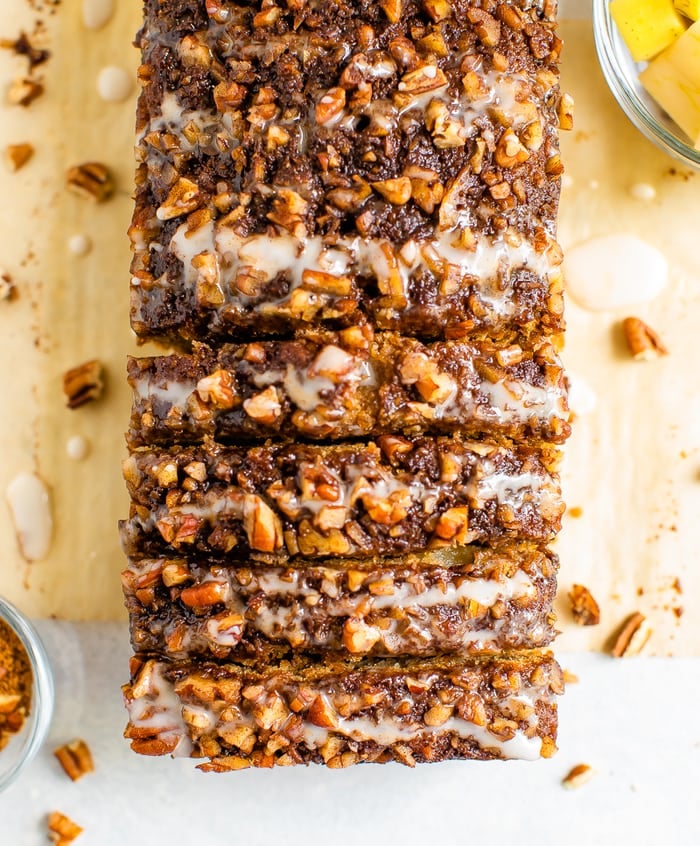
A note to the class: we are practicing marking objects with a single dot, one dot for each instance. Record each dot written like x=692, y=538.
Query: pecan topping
x=358, y=637
x=511, y=151
x=321, y=713
x=396, y=191
x=438, y=9
x=331, y=105
x=423, y=79
x=262, y=525
x=487, y=28
x=83, y=384
x=565, y=112
x=437, y=715
x=75, y=758
x=264, y=407
x=393, y=9
x=217, y=389
x=643, y=343
x=206, y=594
x=184, y=197
x=583, y=606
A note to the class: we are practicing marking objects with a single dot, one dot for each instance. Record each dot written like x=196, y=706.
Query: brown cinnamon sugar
x=15, y=684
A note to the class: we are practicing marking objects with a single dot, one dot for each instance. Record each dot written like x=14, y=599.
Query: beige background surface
x=640, y=526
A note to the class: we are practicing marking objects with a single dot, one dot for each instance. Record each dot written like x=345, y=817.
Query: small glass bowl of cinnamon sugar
x=26, y=693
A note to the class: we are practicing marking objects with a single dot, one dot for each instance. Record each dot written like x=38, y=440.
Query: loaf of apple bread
x=344, y=475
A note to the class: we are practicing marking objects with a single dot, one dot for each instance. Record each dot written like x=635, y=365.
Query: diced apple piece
x=684, y=55
x=647, y=26
x=689, y=8
x=673, y=80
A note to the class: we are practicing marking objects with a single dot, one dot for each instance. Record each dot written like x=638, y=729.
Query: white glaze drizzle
x=114, y=84
x=30, y=507
x=407, y=595
x=97, y=13
x=161, y=709
x=269, y=257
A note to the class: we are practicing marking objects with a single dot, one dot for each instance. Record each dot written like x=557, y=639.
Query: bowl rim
x=606, y=38
x=43, y=692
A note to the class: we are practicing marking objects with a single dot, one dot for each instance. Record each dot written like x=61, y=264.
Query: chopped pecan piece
x=437, y=715
x=584, y=608
x=22, y=46
x=75, y=758
x=17, y=155
x=487, y=28
x=7, y=287
x=438, y=9
x=262, y=525
x=264, y=407
x=393, y=9
x=184, y=197
x=93, y=180
x=83, y=384
x=578, y=776
x=62, y=829
x=643, y=343
x=633, y=637
x=423, y=79
x=511, y=151
x=217, y=389
x=565, y=112
x=330, y=106
x=23, y=91
x=396, y=191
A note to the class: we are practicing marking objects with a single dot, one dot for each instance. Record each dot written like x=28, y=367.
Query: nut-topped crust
x=348, y=384
x=343, y=713
x=497, y=600
x=398, y=496
x=309, y=163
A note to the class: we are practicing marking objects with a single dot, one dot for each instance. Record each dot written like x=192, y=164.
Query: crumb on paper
x=569, y=677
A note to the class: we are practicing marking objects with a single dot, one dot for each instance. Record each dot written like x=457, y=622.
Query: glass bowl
x=622, y=75
x=22, y=748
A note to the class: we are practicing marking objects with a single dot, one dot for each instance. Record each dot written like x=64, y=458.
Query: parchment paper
x=640, y=500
